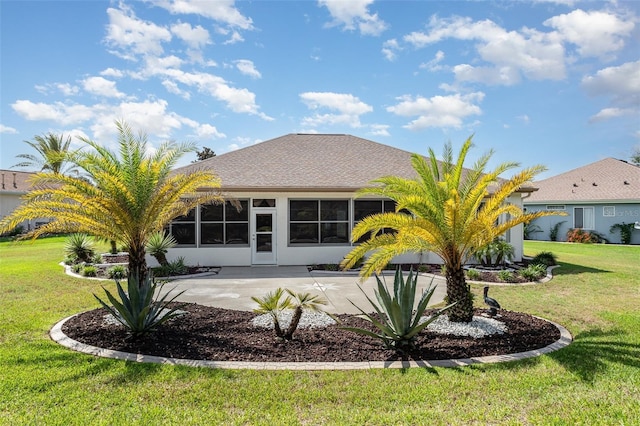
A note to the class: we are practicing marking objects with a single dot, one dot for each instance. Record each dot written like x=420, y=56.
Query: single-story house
x=298, y=202
x=13, y=186
x=595, y=197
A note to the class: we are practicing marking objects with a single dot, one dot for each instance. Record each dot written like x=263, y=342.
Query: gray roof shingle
x=605, y=180
x=307, y=162
x=15, y=182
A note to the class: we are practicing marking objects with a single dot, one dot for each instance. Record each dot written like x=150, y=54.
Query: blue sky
x=539, y=82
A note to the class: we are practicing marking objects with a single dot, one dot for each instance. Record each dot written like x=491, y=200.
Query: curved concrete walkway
x=233, y=287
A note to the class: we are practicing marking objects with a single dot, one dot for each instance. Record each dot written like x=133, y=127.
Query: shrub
x=496, y=253
x=625, y=231
x=553, y=232
x=533, y=272
x=177, y=267
x=474, y=275
x=506, y=276
x=545, y=258
x=117, y=272
x=331, y=267
x=80, y=247
x=77, y=268
x=578, y=235
x=273, y=304
x=397, y=322
x=158, y=244
x=136, y=308
x=90, y=271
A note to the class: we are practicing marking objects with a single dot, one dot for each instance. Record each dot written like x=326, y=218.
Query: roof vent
x=14, y=180
x=575, y=185
x=3, y=181
x=626, y=182
x=594, y=184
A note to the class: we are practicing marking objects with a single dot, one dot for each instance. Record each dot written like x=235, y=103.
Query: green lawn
x=596, y=380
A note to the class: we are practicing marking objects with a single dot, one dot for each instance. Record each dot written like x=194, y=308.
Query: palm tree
x=54, y=154
x=447, y=210
x=125, y=197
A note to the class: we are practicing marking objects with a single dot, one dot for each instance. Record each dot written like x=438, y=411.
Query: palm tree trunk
x=459, y=291
x=295, y=320
x=138, y=261
x=161, y=258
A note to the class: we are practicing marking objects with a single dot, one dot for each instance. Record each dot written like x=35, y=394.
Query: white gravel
x=309, y=319
x=477, y=328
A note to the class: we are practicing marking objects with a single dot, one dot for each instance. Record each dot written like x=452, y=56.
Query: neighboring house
x=298, y=202
x=13, y=185
x=595, y=197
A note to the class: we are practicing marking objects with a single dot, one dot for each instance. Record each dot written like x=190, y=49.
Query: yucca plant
x=136, y=309
x=397, y=321
x=545, y=258
x=158, y=244
x=274, y=303
x=80, y=246
x=117, y=272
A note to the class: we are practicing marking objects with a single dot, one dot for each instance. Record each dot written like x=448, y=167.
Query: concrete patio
x=233, y=287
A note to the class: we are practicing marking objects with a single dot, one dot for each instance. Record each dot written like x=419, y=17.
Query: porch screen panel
x=318, y=222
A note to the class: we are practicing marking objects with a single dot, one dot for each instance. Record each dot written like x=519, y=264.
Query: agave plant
x=397, y=321
x=136, y=309
x=274, y=303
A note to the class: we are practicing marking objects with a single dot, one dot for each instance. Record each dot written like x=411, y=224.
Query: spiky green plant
x=545, y=258
x=272, y=304
x=117, y=272
x=533, y=272
x=80, y=247
x=158, y=244
x=397, y=321
x=301, y=302
x=136, y=308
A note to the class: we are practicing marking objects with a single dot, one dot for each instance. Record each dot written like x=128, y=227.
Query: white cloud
x=102, y=87
x=529, y=52
x=129, y=36
x=207, y=131
x=222, y=11
x=59, y=112
x=354, y=14
x=390, y=49
x=610, y=113
x=524, y=118
x=596, y=33
x=438, y=111
x=112, y=72
x=172, y=87
x=7, y=129
x=195, y=37
x=621, y=84
x=348, y=108
x=379, y=130
x=247, y=67
x=434, y=64
x=236, y=37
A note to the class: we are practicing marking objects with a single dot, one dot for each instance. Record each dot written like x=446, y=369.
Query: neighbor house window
x=183, y=229
x=224, y=224
x=609, y=211
x=318, y=221
x=556, y=207
x=584, y=217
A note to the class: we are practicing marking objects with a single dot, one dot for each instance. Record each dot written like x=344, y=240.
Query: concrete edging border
x=59, y=337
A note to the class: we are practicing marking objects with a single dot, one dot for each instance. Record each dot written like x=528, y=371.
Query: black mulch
x=208, y=333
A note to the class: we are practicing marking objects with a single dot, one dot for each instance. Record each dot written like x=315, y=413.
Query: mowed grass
x=596, y=380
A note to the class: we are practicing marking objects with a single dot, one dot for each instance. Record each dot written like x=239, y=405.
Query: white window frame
x=585, y=219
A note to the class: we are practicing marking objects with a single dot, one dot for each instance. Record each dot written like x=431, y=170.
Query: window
x=608, y=211
x=364, y=208
x=224, y=224
x=555, y=207
x=318, y=221
x=584, y=217
x=183, y=229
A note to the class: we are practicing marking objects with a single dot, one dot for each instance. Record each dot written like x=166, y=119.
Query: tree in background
x=124, y=196
x=635, y=156
x=448, y=210
x=204, y=154
x=53, y=154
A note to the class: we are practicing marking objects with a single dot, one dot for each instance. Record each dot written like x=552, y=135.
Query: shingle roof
x=307, y=162
x=15, y=182
x=605, y=180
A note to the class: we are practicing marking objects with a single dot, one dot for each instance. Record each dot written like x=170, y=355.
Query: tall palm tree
x=450, y=212
x=125, y=196
x=53, y=154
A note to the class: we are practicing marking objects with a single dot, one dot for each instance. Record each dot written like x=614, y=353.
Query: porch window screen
x=224, y=224
x=584, y=217
x=364, y=208
x=318, y=222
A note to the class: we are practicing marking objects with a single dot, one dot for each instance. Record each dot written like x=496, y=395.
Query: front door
x=263, y=236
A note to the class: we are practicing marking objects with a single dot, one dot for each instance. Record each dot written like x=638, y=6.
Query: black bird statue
x=492, y=303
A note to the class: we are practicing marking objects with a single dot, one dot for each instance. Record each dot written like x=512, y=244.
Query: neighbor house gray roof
x=15, y=182
x=307, y=162
x=606, y=180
